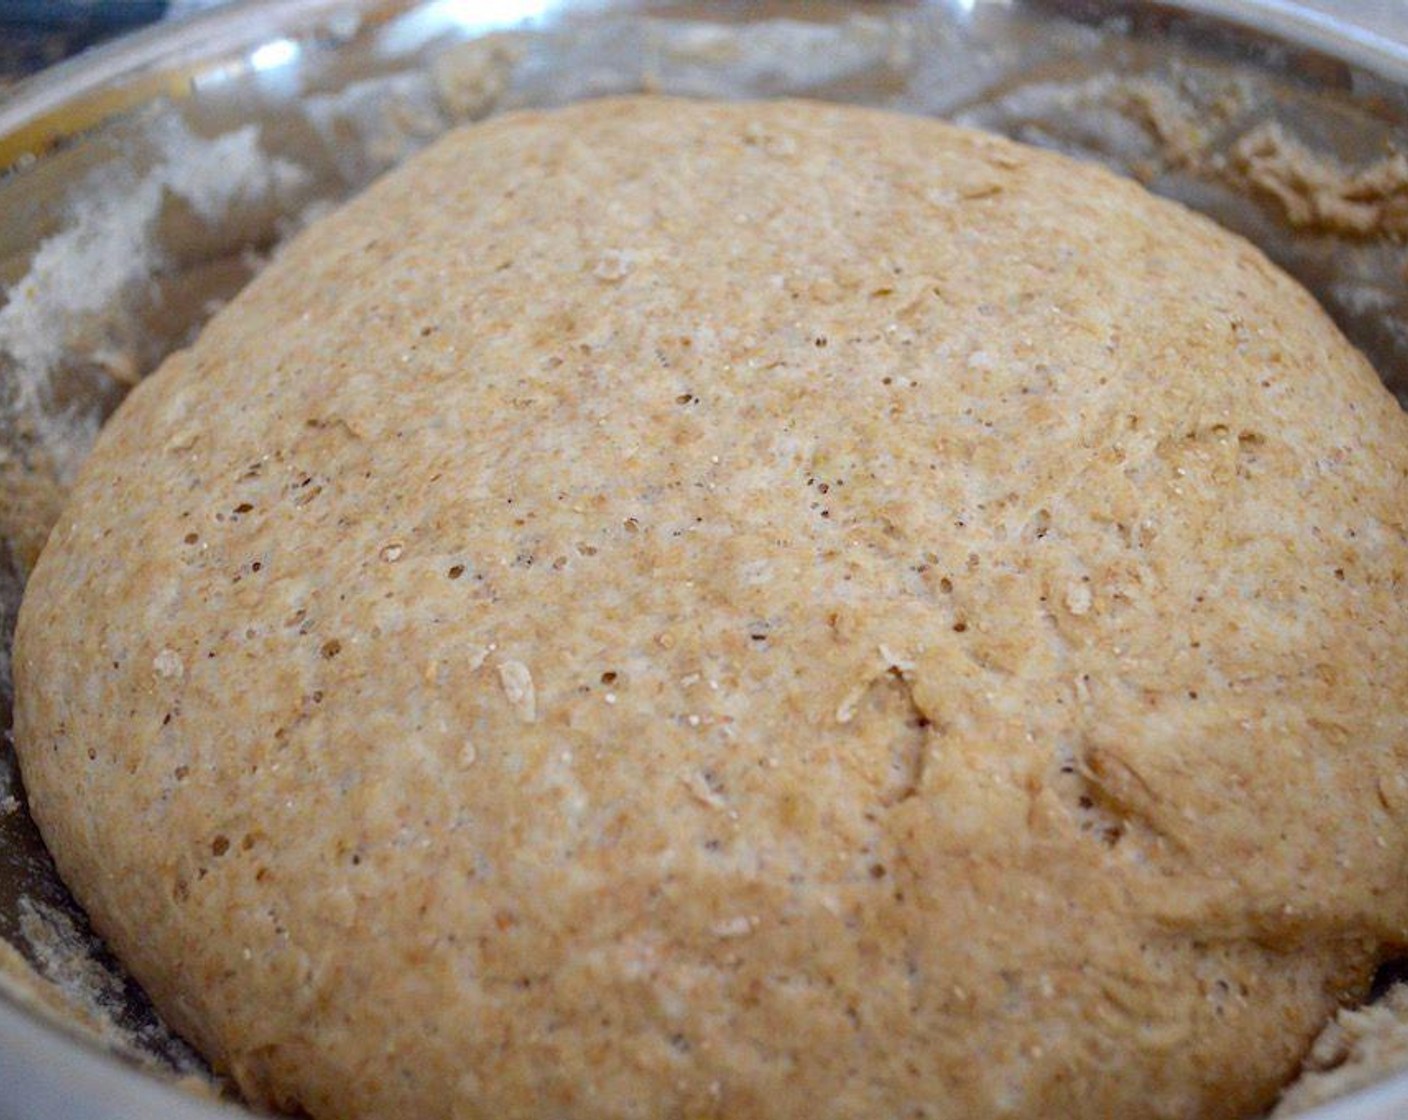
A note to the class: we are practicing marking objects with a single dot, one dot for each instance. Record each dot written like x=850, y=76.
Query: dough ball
x=667, y=609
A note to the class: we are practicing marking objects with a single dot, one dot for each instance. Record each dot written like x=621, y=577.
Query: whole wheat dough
x=667, y=609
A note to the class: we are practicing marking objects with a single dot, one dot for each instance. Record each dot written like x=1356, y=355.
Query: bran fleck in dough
x=757, y=610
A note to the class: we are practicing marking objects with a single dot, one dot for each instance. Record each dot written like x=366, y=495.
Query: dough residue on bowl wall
x=1316, y=193
x=1360, y=1048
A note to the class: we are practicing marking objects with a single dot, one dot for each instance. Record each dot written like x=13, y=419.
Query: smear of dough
x=1361, y=1047
x=1317, y=193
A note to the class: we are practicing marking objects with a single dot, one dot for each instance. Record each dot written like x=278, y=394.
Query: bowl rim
x=50, y=1070
x=83, y=91
x=104, y=81
x=1313, y=26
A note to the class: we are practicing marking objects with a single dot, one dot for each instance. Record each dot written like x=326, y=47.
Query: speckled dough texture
x=665, y=609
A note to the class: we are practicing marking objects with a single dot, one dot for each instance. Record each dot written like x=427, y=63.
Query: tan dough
x=666, y=609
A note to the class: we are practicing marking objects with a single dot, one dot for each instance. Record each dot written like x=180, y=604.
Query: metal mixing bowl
x=143, y=184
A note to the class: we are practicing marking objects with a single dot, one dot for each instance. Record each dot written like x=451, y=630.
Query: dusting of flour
x=9, y=802
x=107, y=251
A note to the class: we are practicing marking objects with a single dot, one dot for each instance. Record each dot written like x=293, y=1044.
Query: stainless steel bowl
x=142, y=184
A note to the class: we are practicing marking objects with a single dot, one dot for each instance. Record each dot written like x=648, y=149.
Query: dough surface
x=666, y=609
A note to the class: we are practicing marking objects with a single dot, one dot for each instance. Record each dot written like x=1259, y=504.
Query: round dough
x=667, y=609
